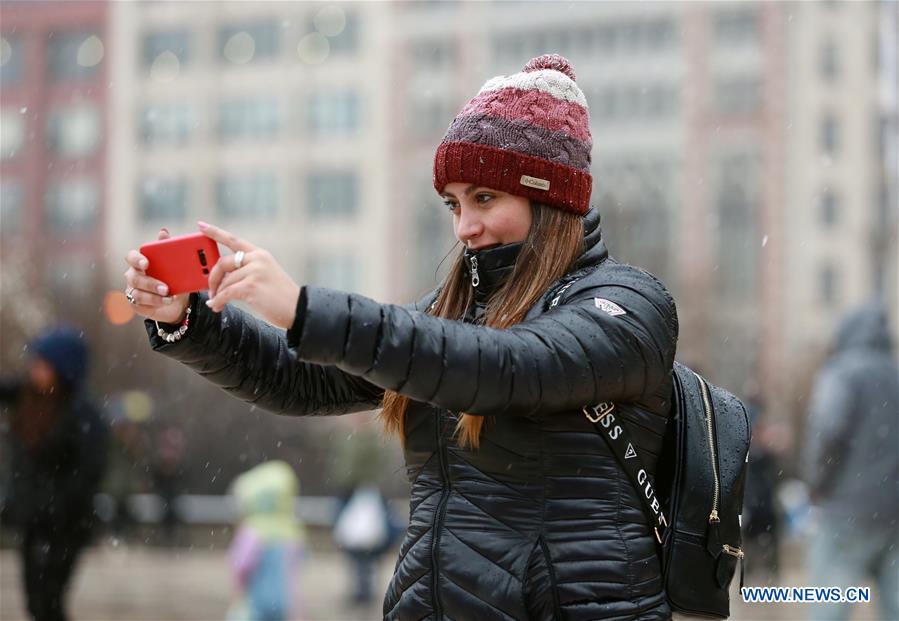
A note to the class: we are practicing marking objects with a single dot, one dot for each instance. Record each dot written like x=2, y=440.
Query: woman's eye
x=483, y=198
x=450, y=206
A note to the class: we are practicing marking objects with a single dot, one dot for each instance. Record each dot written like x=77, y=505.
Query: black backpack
x=701, y=471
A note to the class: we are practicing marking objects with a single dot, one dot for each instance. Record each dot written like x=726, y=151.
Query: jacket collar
x=494, y=265
x=595, y=251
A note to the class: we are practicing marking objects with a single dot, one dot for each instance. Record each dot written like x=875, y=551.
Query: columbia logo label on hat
x=534, y=182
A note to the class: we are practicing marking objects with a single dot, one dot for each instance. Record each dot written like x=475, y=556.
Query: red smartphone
x=183, y=263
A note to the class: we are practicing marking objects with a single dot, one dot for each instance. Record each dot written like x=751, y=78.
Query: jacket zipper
x=475, y=279
x=713, y=449
x=438, y=518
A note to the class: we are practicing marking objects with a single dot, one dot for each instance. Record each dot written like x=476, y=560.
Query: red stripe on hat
x=500, y=169
x=535, y=107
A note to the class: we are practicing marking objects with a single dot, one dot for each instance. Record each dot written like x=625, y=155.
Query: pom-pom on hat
x=527, y=134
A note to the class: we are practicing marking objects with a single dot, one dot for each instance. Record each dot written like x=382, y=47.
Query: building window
x=71, y=205
x=74, y=55
x=736, y=208
x=11, y=200
x=12, y=60
x=434, y=55
x=337, y=271
x=340, y=28
x=331, y=195
x=248, y=119
x=431, y=117
x=168, y=124
x=332, y=114
x=830, y=135
x=828, y=63
x=12, y=134
x=174, y=42
x=737, y=95
x=73, y=281
x=737, y=28
x=247, y=197
x=433, y=237
x=163, y=199
x=74, y=131
x=827, y=287
x=250, y=42
x=829, y=208
x=633, y=102
x=661, y=34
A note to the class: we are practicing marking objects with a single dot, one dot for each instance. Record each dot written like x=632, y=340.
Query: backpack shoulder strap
x=615, y=433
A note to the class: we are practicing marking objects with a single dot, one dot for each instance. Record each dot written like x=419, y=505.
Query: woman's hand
x=152, y=296
x=259, y=280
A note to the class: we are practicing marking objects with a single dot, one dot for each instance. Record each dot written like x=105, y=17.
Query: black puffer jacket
x=540, y=522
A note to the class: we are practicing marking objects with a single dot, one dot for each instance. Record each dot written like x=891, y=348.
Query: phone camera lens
x=202, y=254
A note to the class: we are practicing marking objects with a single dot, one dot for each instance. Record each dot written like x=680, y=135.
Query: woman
x=518, y=509
x=57, y=457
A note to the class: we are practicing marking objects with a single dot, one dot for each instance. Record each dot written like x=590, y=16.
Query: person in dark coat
x=57, y=442
x=518, y=508
x=851, y=464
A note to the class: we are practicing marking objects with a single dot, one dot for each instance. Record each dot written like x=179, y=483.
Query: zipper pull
x=713, y=516
x=475, y=279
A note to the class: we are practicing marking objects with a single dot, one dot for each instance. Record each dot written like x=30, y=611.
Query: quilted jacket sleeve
x=250, y=359
x=575, y=354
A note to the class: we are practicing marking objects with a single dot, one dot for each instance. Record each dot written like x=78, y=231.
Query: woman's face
x=483, y=218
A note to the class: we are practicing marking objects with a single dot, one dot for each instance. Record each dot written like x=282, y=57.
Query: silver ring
x=238, y=259
x=130, y=296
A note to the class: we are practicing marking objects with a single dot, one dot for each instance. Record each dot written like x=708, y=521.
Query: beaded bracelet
x=175, y=335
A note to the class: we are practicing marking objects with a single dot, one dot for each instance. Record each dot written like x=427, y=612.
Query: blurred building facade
x=261, y=118
x=744, y=152
x=53, y=119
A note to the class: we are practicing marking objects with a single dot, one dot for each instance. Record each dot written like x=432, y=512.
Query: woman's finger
x=137, y=280
x=136, y=260
x=225, y=238
x=150, y=300
x=229, y=279
x=236, y=291
x=224, y=266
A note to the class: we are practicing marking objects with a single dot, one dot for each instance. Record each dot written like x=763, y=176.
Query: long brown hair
x=554, y=242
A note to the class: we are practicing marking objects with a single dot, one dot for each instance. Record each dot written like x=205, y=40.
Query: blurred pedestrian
x=58, y=454
x=364, y=527
x=363, y=530
x=168, y=457
x=851, y=464
x=128, y=466
x=761, y=513
x=268, y=545
x=519, y=509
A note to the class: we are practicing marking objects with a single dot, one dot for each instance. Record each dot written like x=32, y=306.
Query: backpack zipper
x=733, y=551
x=713, y=449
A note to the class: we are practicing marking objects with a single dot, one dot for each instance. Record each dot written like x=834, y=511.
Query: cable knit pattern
x=522, y=137
x=534, y=107
x=539, y=118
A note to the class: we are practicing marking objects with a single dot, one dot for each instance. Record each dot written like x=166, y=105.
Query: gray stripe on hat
x=522, y=137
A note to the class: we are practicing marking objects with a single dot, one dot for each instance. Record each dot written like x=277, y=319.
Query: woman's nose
x=470, y=227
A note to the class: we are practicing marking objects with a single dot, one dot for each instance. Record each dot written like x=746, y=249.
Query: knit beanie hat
x=64, y=349
x=527, y=134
